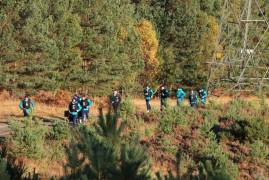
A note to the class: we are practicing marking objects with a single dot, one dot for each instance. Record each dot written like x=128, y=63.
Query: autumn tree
x=149, y=48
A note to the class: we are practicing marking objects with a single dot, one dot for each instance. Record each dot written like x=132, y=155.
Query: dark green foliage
x=177, y=116
x=211, y=171
x=62, y=44
x=257, y=130
x=244, y=122
x=28, y=139
x=134, y=162
x=10, y=168
x=110, y=126
x=32, y=139
x=108, y=159
x=259, y=150
x=95, y=44
x=127, y=109
x=60, y=131
x=3, y=169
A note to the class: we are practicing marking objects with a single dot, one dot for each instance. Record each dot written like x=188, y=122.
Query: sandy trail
x=10, y=107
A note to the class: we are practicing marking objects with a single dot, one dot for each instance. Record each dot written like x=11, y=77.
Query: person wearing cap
x=180, y=96
x=85, y=103
x=148, y=94
x=115, y=101
x=203, y=95
x=163, y=96
x=26, y=105
x=193, y=99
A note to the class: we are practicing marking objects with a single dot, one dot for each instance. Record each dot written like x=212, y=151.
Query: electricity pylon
x=240, y=59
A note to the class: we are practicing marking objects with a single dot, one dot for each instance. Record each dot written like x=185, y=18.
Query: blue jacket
x=148, y=94
x=86, y=107
x=180, y=93
x=28, y=107
x=74, y=108
x=165, y=93
x=203, y=94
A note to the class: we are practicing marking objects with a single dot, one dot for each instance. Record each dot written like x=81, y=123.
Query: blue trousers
x=85, y=113
x=148, y=105
x=203, y=101
x=180, y=101
x=74, y=118
x=26, y=112
x=193, y=104
x=163, y=103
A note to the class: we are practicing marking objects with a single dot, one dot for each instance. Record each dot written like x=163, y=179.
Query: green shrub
x=177, y=116
x=239, y=110
x=110, y=126
x=257, y=129
x=60, y=131
x=55, y=151
x=213, y=151
x=166, y=125
x=210, y=120
x=212, y=171
x=134, y=162
x=108, y=160
x=127, y=109
x=259, y=150
x=168, y=146
x=3, y=169
x=248, y=130
x=28, y=138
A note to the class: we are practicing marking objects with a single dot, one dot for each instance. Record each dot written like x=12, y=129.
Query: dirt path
x=10, y=107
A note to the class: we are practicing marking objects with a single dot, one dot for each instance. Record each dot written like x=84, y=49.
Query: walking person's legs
x=74, y=118
x=148, y=105
x=178, y=101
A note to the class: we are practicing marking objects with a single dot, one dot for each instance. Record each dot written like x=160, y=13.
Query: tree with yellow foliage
x=149, y=48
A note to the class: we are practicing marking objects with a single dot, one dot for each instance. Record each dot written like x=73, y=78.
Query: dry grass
x=4, y=95
x=10, y=110
x=10, y=106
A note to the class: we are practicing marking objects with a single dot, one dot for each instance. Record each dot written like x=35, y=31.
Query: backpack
x=73, y=107
x=148, y=93
x=165, y=93
x=26, y=104
x=84, y=103
x=193, y=98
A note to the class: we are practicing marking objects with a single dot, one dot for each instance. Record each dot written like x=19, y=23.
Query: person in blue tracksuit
x=27, y=105
x=85, y=103
x=148, y=94
x=180, y=96
x=74, y=108
x=193, y=98
x=164, y=96
x=203, y=95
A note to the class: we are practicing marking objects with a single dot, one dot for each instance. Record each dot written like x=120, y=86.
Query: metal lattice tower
x=240, y=57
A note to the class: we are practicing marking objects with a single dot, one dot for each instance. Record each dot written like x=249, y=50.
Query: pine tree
x=111, y=45
x=102, y=154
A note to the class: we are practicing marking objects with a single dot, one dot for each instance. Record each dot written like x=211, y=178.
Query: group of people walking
x=180, y=96
x=79, y=106
x=78, y=109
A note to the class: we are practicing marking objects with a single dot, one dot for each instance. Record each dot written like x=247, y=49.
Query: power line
x=242, y=59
